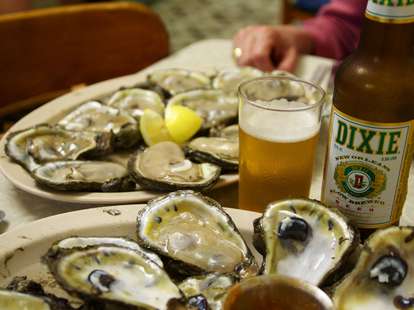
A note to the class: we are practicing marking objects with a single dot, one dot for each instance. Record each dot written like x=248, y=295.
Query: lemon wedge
x=153, y=129
x=182, y=122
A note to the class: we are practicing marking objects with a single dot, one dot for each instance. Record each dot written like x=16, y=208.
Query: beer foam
x=287, y=126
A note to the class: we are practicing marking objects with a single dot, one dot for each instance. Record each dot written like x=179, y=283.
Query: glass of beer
x=279, y=119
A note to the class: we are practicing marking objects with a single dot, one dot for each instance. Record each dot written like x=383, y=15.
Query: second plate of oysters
x=97, y=147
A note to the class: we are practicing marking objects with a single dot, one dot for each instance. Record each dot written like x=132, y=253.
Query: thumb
x=289, y=60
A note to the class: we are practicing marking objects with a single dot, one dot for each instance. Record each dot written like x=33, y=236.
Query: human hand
x=272, y=47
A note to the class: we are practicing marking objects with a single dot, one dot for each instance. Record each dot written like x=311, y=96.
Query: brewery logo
x=359, y=179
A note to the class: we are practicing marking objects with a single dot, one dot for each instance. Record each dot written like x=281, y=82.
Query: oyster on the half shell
x=43, y=143
x=114, y=275
x=84, y=176
x=193, y=235
x=214, y=106
x=97, y=117
x=230, y=79
x=10, y=300
x=383, y=278
x=136, y=100
x=163, y=166
x=175, y=81
x=303, y=239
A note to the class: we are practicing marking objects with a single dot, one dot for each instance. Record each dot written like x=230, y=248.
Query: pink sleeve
x=336, y=28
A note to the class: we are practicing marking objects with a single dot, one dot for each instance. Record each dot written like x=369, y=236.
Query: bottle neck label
x=391, y=11
x=367, y=169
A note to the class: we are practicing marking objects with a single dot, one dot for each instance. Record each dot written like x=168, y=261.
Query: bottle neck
x=387, y=41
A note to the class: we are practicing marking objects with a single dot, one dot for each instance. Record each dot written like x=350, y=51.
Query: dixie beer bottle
x=370, y=146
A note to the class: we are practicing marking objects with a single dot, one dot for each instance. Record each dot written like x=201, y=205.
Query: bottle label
x=390, y=11
x=367, y=168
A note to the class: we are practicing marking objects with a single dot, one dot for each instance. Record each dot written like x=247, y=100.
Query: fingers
x=288, y=60
x=256, y=44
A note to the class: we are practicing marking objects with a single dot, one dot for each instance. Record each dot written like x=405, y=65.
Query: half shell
x=229, y=80
x=194, y=236
x=384, y=275
x=163, y=166
x=43, y=143
x=10, y=300
x=84, y=176
x=303, y=239
x=97, y=117
x=214, y=106
x=114, y=275
x=176, y=81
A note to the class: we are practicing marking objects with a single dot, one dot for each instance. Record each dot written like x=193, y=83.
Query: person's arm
x=336, y=28
x=333, y=33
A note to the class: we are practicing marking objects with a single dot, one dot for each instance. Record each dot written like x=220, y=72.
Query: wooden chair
x=44, y=53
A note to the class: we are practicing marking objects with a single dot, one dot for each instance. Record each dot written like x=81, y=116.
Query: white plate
x=21, y=179
x=21, y=249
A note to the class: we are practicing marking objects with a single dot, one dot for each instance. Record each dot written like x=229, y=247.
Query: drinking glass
x=279, y=119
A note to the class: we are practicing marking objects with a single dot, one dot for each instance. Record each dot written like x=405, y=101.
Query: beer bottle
x=371, y=129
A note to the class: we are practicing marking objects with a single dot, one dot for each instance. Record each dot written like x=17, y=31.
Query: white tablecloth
x=21, y=207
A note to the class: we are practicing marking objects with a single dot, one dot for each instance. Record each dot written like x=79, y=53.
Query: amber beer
x=277, y=148
x=370, y=144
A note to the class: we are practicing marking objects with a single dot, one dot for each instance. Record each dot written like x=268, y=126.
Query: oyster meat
x=383, y=278
x=97, y=117
x=222, y=151
x=229, y=80
x=212, y=286
x=163, y=166
x=229, y=132
x=84, y=242
x=43, y=143
x=114, y=275
x=193, y=235
x=11, y=300
x=303, y=239
x=176, y=81
x=84, y=176
x=136, y=100
x=214, y=106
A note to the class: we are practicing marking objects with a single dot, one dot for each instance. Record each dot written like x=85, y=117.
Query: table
x=21, y=207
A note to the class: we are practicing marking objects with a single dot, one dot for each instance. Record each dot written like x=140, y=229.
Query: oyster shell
x=303, y=239
x=84, y=176
x=176, y=81
x=136, y=100
x=84, y=242
x=43, y=143
x=17, y=301
x=163, y=166
x=193, y=235
x=229, y=132
x=212, y=286
x=384, y=275
x=221, y=151
x=114, y=275
x=214, y=106
x=97, y=117
x=229, y=80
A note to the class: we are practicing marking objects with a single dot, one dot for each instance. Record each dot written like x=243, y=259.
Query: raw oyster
x=97, y=117
x=193, y=235
x=229, y=80
x=303, y=239
x=281, y=73
x=163, y=166
x=384, y=275
x=176, y=81
x=222, y=151
x=43, y=143
x=212, y=286
x=17, y=301
x=30, y=287
x=136, y=100
x=84, y=242
x=84, y=176
x=229, y=132
x=214, y=106
x=114, y=275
